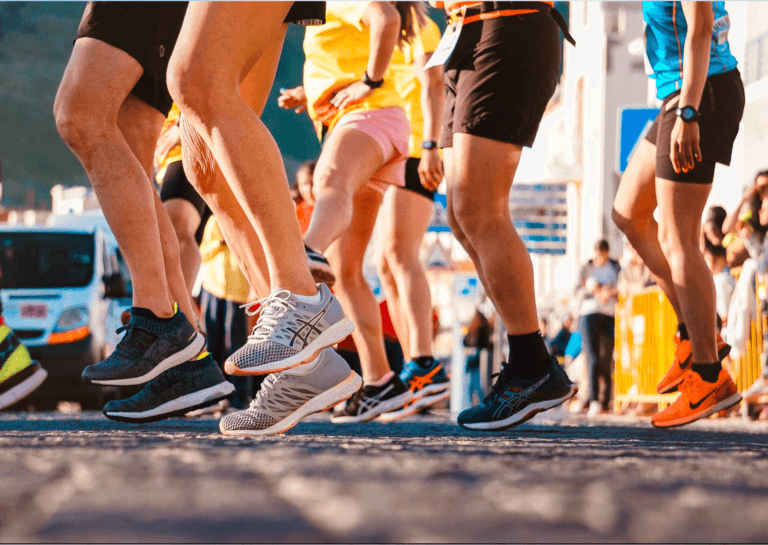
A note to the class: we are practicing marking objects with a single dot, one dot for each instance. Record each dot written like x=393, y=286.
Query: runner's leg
x=210, y=61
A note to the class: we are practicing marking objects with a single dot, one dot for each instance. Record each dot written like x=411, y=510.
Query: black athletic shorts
x=306, y=14
x=500, y=78
x=412, y=180
x=176, y=186
x=721, y=107
x=147, y=31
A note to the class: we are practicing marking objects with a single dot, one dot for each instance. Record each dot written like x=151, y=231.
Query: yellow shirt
x=223, y=277
x=175, y=153
x=337, y=55
x=407, y=83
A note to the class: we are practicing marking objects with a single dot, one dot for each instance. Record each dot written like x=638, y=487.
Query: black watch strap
x=370, y=83
x=689, y=114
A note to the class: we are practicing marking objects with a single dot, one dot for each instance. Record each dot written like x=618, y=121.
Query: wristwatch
x=429, y=144
x=370, y=83
x=688, y=114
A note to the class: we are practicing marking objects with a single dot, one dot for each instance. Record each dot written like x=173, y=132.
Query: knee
x=477, y=221
x=383, y=267
x=80, y=127
x=196, y=89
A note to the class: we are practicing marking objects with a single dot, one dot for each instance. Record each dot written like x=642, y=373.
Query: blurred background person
x=479, y=337
x=597, y=286
x=559, y=342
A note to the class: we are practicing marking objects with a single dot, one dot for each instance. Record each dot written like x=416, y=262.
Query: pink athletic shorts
x=391, y=130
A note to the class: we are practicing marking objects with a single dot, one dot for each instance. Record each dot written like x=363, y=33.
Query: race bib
x=447, y=43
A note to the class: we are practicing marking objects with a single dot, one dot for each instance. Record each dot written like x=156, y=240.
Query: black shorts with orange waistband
x=502, y=73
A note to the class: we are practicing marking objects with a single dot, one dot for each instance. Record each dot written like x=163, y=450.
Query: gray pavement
x=559, y=478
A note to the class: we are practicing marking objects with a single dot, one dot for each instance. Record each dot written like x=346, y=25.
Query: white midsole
x=517, y=417
x=420, y=403
x=334, y=334
x=386, y=406
x=183, y=356
x=344, y=390
x=23, y=389
x=431, y=389
x=180, y=403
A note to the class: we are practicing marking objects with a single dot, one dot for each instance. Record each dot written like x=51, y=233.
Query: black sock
x=683, y=332
x=423, y=361
x=708, y=371
x=528, y=355
x=149, y=315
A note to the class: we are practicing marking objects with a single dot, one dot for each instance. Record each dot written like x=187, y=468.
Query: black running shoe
x=371, y=401
x=513, y=400
x=320, y=268
x=192, y=385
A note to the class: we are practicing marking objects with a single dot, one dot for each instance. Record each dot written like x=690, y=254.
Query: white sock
x=311, y=299
x=383, y=380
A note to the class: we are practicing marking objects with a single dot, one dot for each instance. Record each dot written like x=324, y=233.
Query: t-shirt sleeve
x=349, y=12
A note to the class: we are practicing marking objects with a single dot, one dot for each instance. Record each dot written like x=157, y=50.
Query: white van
x=62, y=291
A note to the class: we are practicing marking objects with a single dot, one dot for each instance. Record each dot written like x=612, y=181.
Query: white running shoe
x=287, y=397
x=289, y=332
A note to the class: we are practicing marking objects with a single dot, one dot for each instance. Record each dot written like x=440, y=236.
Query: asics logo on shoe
x=371, y=402
x=419, y=382
x=695, y=406
x=308, y=326
x=514, y=400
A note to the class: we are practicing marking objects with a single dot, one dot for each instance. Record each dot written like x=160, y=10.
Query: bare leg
x=142, y=137
x=681, y=206
x=210, y=60
x=338, y=176
x=205, y=175
x=404, y=219
x=345, y=256
x=96, y=83
x=482, y=173
x=633, y=213
x=186, y=221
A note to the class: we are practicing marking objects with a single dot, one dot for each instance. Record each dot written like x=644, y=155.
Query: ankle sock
x=708, y=371
x=683, y=331
x=311, y=299
x=382, y=381
x=424, y=361
x=149, y=315
x=528, y=355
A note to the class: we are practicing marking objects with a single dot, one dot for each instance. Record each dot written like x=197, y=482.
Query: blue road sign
x=633, y=122
x=439, y=223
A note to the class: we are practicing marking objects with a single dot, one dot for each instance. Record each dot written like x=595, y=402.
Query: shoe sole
x=727, y=403
x=176, y=407
x=431, y=389
x=672, y=386
x=23, y=389
x=334, y=334
x=182, y=356
x=328, y=399
x=414, y=407
x=523, y=416
x=384, y=407
x=322, y=274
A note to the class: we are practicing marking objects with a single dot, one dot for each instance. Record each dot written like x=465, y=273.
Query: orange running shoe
x=698, y=398
x=682, y=363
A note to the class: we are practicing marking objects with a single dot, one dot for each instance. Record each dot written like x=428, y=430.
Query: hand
x=684, y=145
x=354, y=92
x=167, y=141
x=430, y=169
x=295, y=99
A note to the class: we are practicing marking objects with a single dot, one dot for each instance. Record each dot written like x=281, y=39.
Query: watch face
x=688, y=113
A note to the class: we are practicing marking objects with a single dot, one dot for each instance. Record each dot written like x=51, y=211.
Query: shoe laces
x=136, y=341
x=271, y=309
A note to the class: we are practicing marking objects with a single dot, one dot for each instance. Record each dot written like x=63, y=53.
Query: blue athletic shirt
x=665, y=33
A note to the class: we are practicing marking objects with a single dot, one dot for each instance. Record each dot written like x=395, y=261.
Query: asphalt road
x=559, y=478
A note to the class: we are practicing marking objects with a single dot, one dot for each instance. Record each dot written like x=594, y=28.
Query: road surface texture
x=559, y=478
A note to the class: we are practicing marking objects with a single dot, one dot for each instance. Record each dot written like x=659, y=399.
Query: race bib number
x=446, y=45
